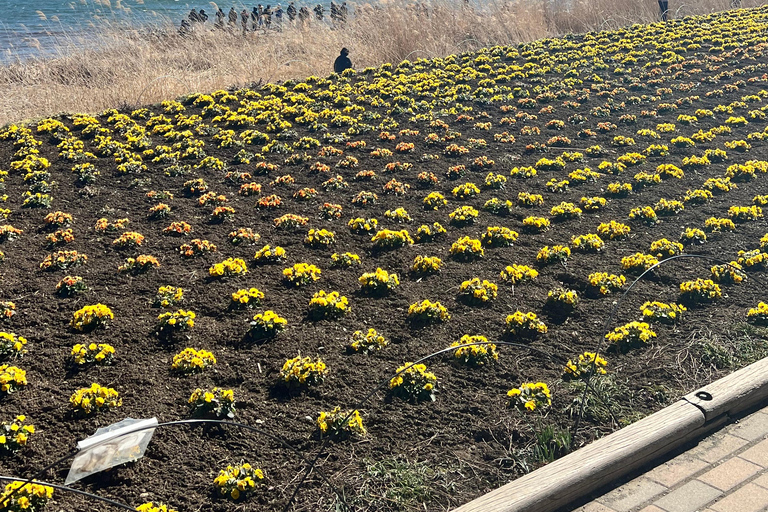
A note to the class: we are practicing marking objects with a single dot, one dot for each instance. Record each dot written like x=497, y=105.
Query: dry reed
x=132, y=66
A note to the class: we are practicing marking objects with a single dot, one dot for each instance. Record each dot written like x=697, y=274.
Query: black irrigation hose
x=69, y=489
x=613, y=315
x=385, y=383
x=166, y=424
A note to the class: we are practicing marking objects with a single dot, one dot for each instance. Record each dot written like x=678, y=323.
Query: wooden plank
x=734, y=393
x=591, y=467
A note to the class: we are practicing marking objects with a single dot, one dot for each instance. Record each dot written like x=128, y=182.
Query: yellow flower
x=235, y=494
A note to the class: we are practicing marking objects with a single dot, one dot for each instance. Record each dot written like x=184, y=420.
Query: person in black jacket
x=291, y=11
x=664, y=9
x=342, y=62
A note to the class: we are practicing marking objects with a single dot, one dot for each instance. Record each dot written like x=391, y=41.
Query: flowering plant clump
x=565, y=211
x=7, y=310
x=592, y=204
x=243, y=235
x=11, y=345
x=216, y=403
x=229, y=267
x=427, y=312
x=530, y=396
x=589, y=363
x=86, y=401
x=180, y=228
x=554, y=254
x=11, y=378
x=378, y=282
x=745, y=213
x=693, y=236
x=499, y=236
x=238, y=482
x=700, y=290
x=524, y=325
x=29, y=498
x=753, y=260
x=556, y=186
x=330, y=211
x=8, y=233
x=151, y=507
x=645, y=214
x=249, y=298
x=327, y=305
x=605, y=283
x=434, y=201
x=364, y=198
x=62, y=260
x=367, y=342
x=633, y=334
x=514, y=274
x=268, y=254
x=388, y=239
x=399, y=215
x=57, y=219
x=668, y=208
x=159, y=211
x=758, y=315
x=528, y=200
x=289, y=221
x=168, y=296
x=475, y=350
x=414, y=383
x=663, y=248
x=587, y=243
x=100, y=354
x=176, y=321
x=424, y=265
x=427, y=233
x=562, y=300
x=638, y=262
x=320, y=238
x=463, y=216
x=190, y=360
x=197, y=247
x=341, y=424
x=346, y=259
x=89, y=318
x=662, y=312
x=14, y=436
x=129, y=239
x=475, y=291
x=301, y=372
x=139, y=264
x=535, y=224
x=220, y=213
x=498, y=207
x=728, y=274
x=467, y=249
x=362, y=226
x=465, y=191
x=301, y=273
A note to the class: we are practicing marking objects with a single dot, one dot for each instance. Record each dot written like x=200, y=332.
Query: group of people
x=260, y=17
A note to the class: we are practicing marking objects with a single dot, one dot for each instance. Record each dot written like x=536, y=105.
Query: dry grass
x=132, y=67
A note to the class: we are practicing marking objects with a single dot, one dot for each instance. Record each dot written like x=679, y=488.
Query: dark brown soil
x=465, y=443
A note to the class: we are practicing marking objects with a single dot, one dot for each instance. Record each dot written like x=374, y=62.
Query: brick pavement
x=725, y=472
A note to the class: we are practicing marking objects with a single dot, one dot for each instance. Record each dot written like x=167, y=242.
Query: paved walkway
x=725, y=472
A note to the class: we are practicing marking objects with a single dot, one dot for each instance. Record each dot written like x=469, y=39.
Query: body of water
x=38, y=27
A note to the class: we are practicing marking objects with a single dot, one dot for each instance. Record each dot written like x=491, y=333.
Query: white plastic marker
x=121, y=442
